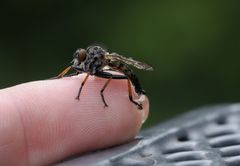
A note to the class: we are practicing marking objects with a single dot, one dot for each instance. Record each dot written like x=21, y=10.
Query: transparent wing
x=129, y=61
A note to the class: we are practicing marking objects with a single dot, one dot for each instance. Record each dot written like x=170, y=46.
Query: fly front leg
x=80, y=89
x=72, y=74
x=63, y=73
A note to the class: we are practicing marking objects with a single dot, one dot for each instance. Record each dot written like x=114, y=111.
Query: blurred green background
x=194, y=46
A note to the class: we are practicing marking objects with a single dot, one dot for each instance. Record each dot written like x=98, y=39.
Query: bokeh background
x=194, y=46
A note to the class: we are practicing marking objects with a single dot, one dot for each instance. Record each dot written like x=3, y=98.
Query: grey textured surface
x=208, y=136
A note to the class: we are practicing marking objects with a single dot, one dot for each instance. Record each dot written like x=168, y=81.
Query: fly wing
x=128, y=61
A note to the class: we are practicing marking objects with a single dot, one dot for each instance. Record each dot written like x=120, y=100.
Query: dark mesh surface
x=209, y=136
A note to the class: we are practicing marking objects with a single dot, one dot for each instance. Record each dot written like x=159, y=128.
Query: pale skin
x=42, y=123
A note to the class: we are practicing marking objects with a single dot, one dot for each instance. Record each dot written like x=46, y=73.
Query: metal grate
x=209, y=136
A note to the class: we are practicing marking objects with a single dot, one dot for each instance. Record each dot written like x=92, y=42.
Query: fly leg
x=75, y=73
x=102, y=90
x=130, y=96
x=80, y=89
x=113, y=76
x=103, y=74
x=72, y=74
x=63, y=73
x=108, y=76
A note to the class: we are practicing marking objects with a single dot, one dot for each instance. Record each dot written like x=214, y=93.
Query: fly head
x=90, y=60
x=79, y=57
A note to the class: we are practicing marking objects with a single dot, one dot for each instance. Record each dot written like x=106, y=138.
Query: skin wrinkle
x=20, y=105
x=25, y=136
x=32, y=113
x=14, y=108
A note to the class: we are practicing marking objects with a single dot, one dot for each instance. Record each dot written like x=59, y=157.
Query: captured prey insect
x=97, y=61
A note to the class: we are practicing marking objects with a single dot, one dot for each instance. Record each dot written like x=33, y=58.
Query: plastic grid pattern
x=209, y=136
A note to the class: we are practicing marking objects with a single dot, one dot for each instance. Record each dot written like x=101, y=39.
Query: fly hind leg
x=131, y=98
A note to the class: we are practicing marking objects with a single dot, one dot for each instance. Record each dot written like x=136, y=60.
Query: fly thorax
x=95, y=59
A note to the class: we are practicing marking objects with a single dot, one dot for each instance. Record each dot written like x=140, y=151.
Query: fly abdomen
x=133, y=78
x=136, y=83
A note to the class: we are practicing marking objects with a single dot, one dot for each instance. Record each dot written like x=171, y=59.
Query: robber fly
x=97, y=61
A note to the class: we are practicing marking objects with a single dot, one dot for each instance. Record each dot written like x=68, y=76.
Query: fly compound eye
x=82, y=55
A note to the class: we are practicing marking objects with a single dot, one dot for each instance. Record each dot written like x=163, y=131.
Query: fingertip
x=145, y=111
x=57, y=125
x=142, y=114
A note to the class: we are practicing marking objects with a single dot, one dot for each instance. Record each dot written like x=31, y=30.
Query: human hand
x=42, y=123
